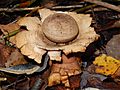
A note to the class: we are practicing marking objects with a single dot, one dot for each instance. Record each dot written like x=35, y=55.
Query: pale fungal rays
x=37, y=41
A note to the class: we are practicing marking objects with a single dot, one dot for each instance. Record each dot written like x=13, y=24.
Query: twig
x=98, y=9
x=16, y=82
x=66, y=7
x=18, y=9
x=37, y=84
x=35, y=8
x=85, y=8
x=104, y=4
x=10, y=34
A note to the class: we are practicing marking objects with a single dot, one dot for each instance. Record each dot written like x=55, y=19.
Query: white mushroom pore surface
x=66, y=31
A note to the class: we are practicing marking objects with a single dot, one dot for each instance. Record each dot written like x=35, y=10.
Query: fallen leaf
x=6, y=29
x=62, y=71
x=111, y=85
x=113, y=47
x=15, y=58
x=5, y=52
x=106, y=65
x=75, y=81
x=10, y=56
x=86, y=78
x=94, y=82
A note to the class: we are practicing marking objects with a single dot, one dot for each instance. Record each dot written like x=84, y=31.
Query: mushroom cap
x=60, y=28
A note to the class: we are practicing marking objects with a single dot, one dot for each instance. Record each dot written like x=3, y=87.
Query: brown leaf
x=60, y=72
x=111, y=85
x=94, y=82
x=16, y=58
x=23, y=85
x=5, y=52
x=75, y=81
x=10, y=56
x=91, y=79
x=113, y=47
x=9, y=27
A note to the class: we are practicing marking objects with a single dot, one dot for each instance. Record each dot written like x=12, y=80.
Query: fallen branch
x=104, y=4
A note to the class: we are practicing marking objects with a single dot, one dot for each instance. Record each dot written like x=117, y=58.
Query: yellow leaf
x=106, y=65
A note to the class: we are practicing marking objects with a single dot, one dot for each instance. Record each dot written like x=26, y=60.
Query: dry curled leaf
x=57, y=30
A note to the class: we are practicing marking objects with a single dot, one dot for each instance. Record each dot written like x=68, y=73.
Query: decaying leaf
x=10, y=56
x=113, y=47
x=60, y=72
x=9, y=27
x=93, y=79
x=4, y=54
x=106, y=65
x=15, y=58
x=65, y=31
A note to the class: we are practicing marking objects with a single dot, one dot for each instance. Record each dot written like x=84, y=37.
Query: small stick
x=85, y=8
x=36, y=8
x=66, y=7
x=18, y=9
x=98, y=9
x=37, y=84
x=104, y=4
x=10, y=34
x=11, y=84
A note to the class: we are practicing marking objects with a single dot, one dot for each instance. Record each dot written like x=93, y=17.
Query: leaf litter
x=36, y=58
